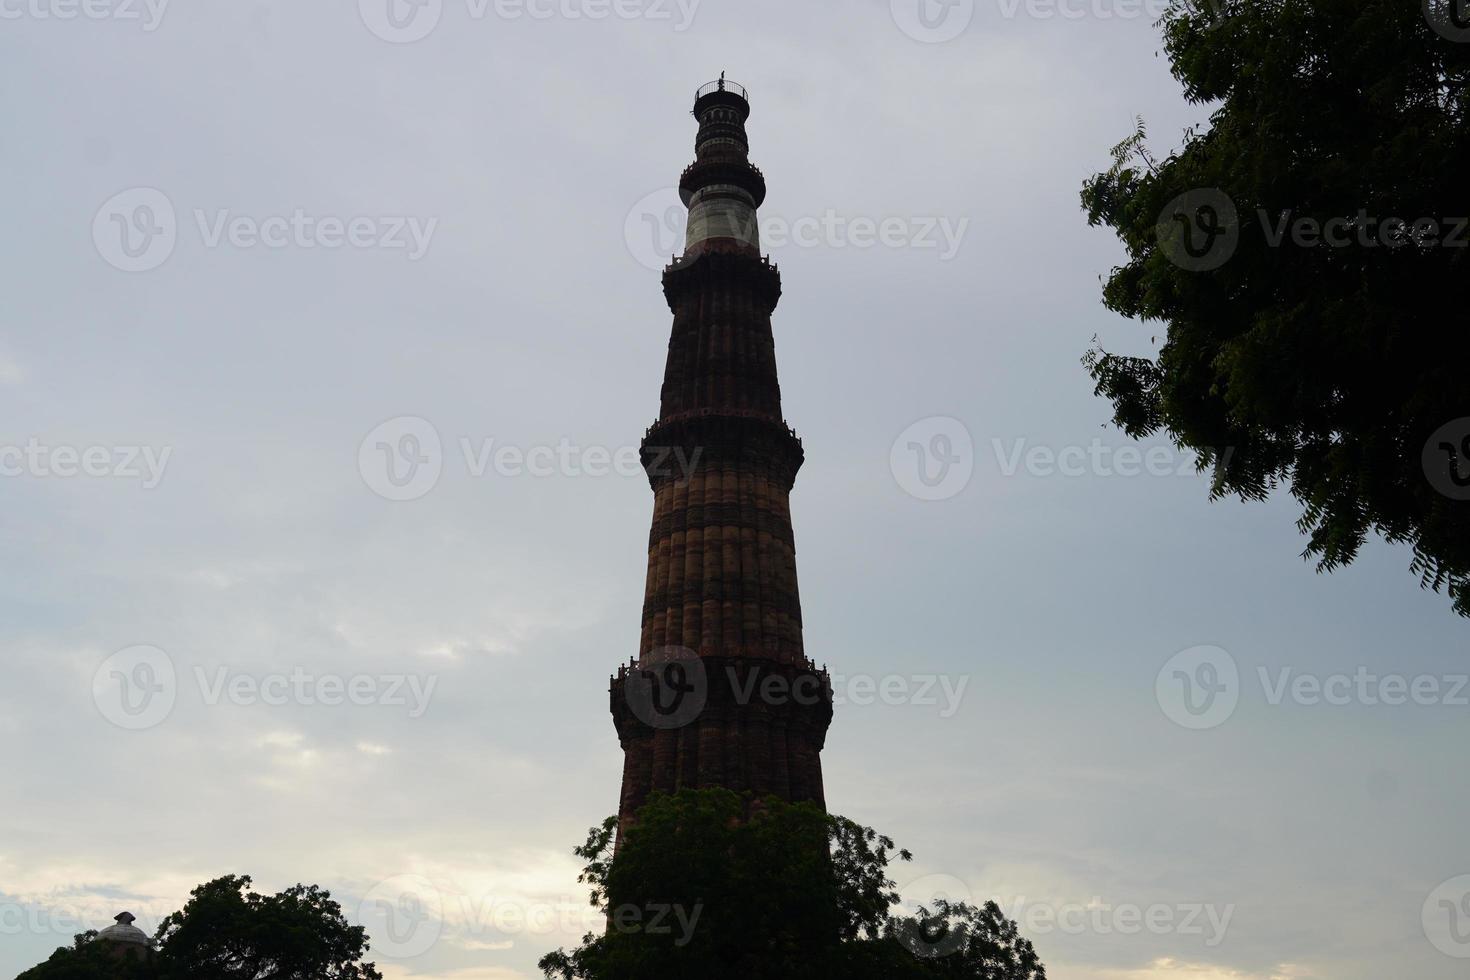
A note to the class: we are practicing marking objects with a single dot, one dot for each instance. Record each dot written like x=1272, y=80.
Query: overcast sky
x=248, y=245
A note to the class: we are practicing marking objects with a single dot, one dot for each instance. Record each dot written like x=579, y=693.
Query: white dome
x=124, y=932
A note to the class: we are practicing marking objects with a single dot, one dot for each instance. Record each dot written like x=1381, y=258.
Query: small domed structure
x=125, y=938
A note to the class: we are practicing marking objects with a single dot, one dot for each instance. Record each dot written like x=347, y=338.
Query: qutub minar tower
x=722, y=693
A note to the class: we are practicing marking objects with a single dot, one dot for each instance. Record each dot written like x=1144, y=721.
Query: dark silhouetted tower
x=722, y=692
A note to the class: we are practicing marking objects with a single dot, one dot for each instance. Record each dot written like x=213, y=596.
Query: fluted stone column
x=721, y=586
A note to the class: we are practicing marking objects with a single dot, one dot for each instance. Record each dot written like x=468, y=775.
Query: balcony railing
x=722, y=85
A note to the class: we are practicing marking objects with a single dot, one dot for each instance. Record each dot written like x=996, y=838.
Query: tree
x=713, y=885
x=1308, y=254
x=88, y=959
x=228, y=933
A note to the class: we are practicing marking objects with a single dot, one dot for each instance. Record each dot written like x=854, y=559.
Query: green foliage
x=770, y=889
x=958, y=940
x=1324, y=368
x=228, y=933
x=87, y=959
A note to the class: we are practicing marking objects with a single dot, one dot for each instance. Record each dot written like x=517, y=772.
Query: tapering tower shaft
x=722, y=692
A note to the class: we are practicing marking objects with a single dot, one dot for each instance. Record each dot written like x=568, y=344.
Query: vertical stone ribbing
x=721, y=583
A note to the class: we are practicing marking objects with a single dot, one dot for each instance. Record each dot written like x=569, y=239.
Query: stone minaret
x=722, y=692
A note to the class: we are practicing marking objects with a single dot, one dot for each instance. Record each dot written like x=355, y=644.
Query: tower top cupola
x=722, y=189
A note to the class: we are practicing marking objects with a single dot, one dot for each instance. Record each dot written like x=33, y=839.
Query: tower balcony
x=689, y=271
x=703, y=173
x=722, y=85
